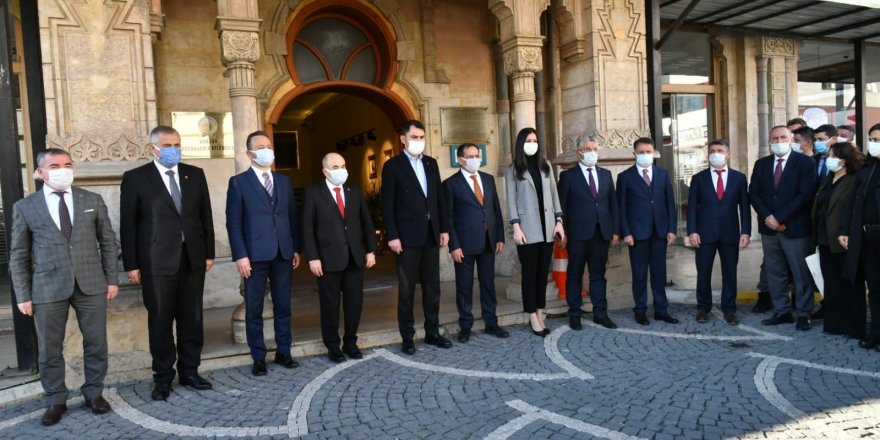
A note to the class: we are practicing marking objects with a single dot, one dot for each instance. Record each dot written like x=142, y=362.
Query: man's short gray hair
x=41, y=156
x=583, y=139
x=161, y=129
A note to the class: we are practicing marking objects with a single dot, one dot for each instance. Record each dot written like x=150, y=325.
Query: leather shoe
x=195, y=381
x=868, y=344
x=98, y=405
x=285, y=360
x=605, y=321
x=641, y=319
x=464, y=335
x=803, y=324
x=764, y=304
x=498, y=332
x=665, y=317
x=575, y=323
x=352, y=351
x=438, y=341
x=702, y=316
x=161, y=390
x=818, y=314
x=53, y=414
x=408, y=347
x=731, y=318
x=335, y=355
x=777, y=319
x=259, y=368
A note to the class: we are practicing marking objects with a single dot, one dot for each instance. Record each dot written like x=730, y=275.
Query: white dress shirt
x=333, y=187
x=52, y=201
x=162, y=170
x=776, y=162
x=467, y=176
x=587, y=170
x=259, y=174
x=724, y=175
x=419, y=168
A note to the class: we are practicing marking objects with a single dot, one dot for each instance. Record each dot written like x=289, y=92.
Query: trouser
x=645, y=254
x=705, y=259
x=464, y=287
x=594, y=254
x=50, y=320
x=535, y=260
x=419, y=265
x=787, y=255
x=844, y=304
x=278, y=272
x=870, y=274
x=346, y=285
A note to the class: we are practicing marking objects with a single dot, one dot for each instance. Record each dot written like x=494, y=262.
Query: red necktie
x=777, y=175
x=719, y=189
x=339, y=201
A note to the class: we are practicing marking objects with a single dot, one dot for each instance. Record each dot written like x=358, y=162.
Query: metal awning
x=794, y=18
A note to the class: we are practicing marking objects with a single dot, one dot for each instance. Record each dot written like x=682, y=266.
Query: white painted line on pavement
x=533, y=413
x=551, y=348
x=469, y=373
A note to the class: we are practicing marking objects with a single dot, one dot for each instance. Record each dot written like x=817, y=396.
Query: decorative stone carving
x=429, y=46
x=777, y=45
x=85, y=149
x=240, y=46
x=522, y=59
x=619, y=139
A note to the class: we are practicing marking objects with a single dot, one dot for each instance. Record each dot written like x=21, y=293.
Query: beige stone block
x=578, y=98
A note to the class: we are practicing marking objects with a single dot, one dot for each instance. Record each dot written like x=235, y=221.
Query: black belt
x=871, y=228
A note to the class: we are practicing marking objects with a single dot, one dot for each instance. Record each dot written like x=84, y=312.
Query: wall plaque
x=204, y=135
x=464, y=124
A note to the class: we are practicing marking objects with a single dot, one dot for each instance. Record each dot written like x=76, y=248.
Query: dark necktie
x=339, y=203
x=719, y=189
x=592, y=184
x=267, y=183
x=175, y=190
x=645, y=177
x=64, y=216
x=777, y=175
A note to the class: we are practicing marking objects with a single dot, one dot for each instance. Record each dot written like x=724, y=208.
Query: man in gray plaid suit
x=63, y=255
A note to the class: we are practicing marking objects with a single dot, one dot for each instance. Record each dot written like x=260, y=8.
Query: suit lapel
x=159, y=181
x=409, y=171
x=835, y=194
x=78, y=209
x=258, y=188
x=44, y=208
x=462, y=182
x=330, y=198
x=586, y=183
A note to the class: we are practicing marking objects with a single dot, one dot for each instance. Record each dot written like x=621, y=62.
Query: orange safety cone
x=560, y=267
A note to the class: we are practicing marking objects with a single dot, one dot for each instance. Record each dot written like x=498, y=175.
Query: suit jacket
x=582, y=212
x=522, y=204
x=841, y=197
x=646, y=210
x=151, y=228
x=470, y=220
x=408, y=213
x=329, y=237
x=792, y=201
x=716, y=220
x=45, y=266
x=260, y=226
x=853, y=218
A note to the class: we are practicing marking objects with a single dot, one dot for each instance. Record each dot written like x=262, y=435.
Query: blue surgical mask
x=338, y=176
x=645, y=160
x=264, y=157
x=833, y=163
x=821, y=147
x=169, y=156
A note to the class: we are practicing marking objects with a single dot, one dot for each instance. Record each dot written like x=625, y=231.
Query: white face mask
x=780, y=149
x=264, y=157
x=338, y=176
x=645, y=160
x=833, y=164
x=415, y=148
x=590, y=158
x=874, y=149
x=842, y=139
x=472, y=164
x=60, y=179
x=530, y=148
x=717, y=160
x=796, y=147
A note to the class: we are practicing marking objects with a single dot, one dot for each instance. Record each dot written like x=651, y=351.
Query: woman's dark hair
x=849, y=154
x=874, y=127
x=520, y=164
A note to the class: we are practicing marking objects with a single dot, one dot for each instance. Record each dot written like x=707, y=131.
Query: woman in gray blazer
x=536, y=216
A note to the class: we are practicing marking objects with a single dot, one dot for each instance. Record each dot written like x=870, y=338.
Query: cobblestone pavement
x=685, y=381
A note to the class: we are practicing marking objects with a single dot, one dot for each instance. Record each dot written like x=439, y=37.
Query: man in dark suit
x=62, y=255
x=648, y=221
x=261, y=223
x=414, y=211
x=591, y=219
x=167, y=238
x=718, y=220
x=475, y=235
x=781, y=191
x=339, y=242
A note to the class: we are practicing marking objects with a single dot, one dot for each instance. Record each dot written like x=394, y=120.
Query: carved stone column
x=240, y=45
x=522, y=58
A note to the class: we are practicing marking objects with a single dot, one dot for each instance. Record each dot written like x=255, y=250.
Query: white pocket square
x=88, y=210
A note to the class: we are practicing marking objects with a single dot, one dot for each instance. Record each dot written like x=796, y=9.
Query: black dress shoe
x=731, y=318
x=408, y=347
x=161, y=390
x=98, y=405
x=605, y=321
x=464, y=336
x=498, y=332
x=764, y=303
x=53, y=414
x=352, y=351
x=702, y=316
x=335, y=355
x=818, y=314
x=665, y=317
x=438, y=341
x=285, y=360
x=195, y=381
x=868, y=344
x=803, y=324
x=641, y=319
x=540, y=333
x=259, y=368
x=575, y=323
x=777, y=319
